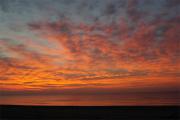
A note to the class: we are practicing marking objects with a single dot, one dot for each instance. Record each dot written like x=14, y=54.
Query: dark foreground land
x=89, y=113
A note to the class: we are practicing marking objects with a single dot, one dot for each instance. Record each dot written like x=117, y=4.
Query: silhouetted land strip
x=84, y=112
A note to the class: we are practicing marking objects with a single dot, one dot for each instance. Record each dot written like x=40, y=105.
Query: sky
x=90, y=52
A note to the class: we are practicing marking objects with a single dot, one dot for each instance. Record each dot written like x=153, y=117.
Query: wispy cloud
x=110, y=48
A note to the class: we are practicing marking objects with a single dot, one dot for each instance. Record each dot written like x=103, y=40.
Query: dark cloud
x=4, y=78
x=73, y=75
x=132, y=10
x=13, y=84
x=4, y=5
x=34, y=26
x=110, y=9
x=172, y=3
x=118, y=75
x=25, y=67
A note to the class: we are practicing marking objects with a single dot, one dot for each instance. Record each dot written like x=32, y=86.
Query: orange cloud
x=96, y=56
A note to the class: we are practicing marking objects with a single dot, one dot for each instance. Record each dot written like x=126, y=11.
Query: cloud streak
x=118, y=49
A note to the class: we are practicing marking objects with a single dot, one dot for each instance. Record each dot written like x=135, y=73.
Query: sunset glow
x=89, y=52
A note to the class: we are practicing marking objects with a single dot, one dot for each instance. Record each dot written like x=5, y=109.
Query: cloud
x=4, y=78
x=4, y=5
x=90, y=43
x=111, y=44
x=110, y=9
x=94, y=48
x=172, y=3
x=114, y=52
